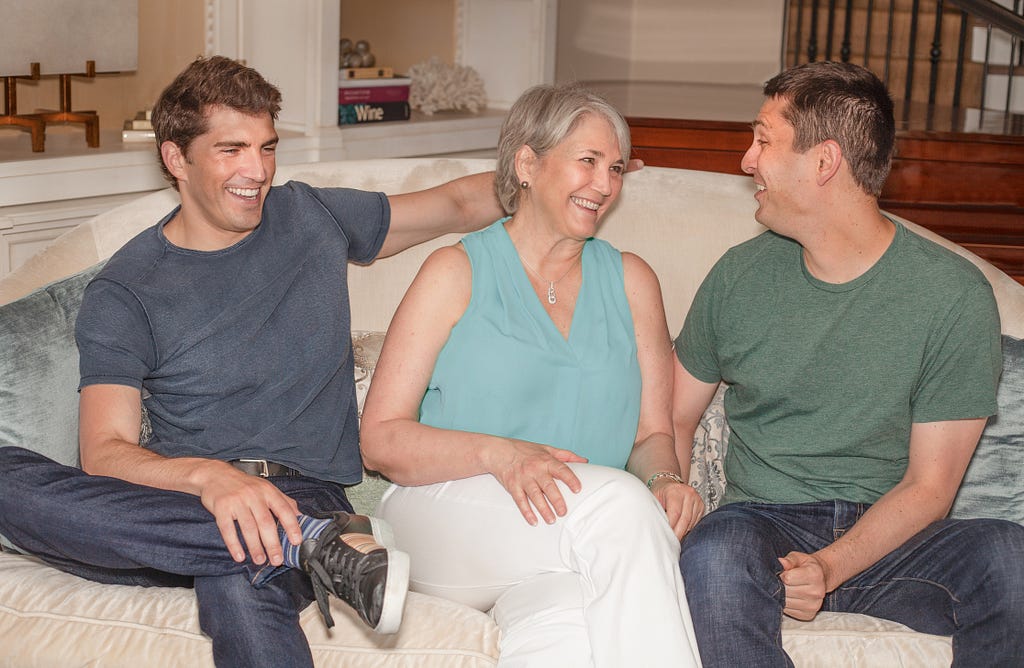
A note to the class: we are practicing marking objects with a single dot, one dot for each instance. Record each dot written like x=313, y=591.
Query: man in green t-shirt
x=861, y=362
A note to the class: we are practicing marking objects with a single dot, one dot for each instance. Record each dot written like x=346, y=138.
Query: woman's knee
x=622, y=493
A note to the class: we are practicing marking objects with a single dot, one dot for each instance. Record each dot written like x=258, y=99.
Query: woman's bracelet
x=664, y=474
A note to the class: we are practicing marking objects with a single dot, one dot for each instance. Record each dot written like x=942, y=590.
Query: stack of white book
x=139, y=128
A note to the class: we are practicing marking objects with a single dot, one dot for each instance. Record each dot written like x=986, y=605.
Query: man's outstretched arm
x=462, y=205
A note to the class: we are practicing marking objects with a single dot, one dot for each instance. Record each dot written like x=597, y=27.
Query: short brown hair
x=180, y=114
x=541, y=118
x=847, y=104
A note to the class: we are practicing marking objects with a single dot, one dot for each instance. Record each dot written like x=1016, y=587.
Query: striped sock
x=311, y=528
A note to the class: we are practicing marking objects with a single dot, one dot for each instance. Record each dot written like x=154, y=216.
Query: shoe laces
x=336, y=567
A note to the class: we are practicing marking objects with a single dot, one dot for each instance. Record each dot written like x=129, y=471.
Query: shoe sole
x=395, y=589
x=383, y=534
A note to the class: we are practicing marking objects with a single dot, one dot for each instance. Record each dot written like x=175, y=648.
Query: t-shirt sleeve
x=695, y=345
x=115, y=344
x=363, y=217
x=963, y=361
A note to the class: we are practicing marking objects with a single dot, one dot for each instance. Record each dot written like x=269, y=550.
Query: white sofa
x=680, y=221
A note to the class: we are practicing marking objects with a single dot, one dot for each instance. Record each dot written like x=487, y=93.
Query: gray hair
x=541, y=118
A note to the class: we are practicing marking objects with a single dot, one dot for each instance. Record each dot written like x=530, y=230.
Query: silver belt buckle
x=263, y=464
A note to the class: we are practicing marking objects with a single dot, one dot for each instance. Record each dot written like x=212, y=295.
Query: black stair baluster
x=911, y=49
x=844, y=52
x=799, y=31
x=961, y=51
x=1010, y=73
x=867, y=33
x=935, y=54
x=831, y=29
x=812, y=41
x=888, y=42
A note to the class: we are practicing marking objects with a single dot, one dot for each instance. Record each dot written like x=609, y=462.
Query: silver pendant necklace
x=551, y=284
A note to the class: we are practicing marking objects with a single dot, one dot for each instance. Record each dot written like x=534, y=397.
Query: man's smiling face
x=225, y=177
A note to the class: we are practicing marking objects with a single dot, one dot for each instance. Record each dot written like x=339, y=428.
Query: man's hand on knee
x=803, y=576
x=257, y=506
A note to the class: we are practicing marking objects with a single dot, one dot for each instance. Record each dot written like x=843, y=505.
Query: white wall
x=679, y=41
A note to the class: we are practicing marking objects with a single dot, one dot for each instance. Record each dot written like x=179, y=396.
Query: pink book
x=357, y=95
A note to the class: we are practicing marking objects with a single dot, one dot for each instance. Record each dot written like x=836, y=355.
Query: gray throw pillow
x=39, y=369
x=994, y=483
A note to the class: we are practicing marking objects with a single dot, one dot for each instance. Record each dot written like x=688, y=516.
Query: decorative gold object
x=36, y=122
x=65, y=113
x=30, y=122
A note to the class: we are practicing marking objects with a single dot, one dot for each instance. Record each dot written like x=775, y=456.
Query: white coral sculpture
x=438, y=86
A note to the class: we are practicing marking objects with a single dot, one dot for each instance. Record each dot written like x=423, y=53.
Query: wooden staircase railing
x=924, y=50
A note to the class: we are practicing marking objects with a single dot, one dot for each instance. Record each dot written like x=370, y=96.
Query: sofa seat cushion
x=50, y=618
x=845, y=640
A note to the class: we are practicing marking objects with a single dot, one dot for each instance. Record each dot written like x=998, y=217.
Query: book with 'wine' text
x=372, y=112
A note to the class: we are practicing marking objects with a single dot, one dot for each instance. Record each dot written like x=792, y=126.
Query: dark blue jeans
x=959, y=578
x=115, y=532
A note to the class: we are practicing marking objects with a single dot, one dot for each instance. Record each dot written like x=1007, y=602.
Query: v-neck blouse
x=507, y=370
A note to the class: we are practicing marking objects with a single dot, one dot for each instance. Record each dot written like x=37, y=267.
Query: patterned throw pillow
x=710, y=441
x=365, y=351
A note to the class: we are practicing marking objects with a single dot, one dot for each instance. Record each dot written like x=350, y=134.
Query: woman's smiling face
x=575, y=183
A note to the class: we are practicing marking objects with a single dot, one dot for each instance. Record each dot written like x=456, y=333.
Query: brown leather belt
x=263, y=468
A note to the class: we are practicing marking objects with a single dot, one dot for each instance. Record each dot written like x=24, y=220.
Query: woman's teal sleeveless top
x=506, y=370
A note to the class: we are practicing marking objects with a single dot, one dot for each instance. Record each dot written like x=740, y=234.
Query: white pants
x=599, y=587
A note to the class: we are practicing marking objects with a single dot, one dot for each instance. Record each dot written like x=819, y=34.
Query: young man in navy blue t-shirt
x=227, y=325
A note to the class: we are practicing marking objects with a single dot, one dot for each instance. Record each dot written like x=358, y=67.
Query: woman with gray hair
x=521, y=401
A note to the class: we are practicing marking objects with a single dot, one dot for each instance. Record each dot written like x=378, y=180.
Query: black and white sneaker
x=353, y=559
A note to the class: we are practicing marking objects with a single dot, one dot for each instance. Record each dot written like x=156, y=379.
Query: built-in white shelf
x=69, y=169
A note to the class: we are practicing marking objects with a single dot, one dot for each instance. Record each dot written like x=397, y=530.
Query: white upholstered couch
x=680, y=221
